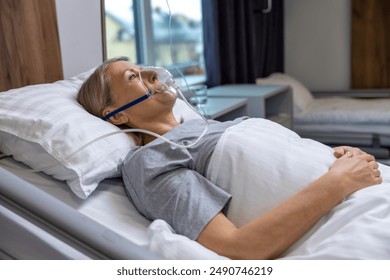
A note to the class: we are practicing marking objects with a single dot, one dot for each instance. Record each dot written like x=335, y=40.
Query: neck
x=160, y=127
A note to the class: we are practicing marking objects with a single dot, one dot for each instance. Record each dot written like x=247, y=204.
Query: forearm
x=268, y=236
x=272, y=233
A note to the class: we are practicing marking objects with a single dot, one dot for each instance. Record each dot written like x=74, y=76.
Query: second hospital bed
x=357, y=117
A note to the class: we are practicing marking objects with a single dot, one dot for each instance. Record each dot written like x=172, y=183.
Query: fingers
x=375, y=171
x=373, y=166
x=378, y=178
x=367, y=157
x=348, y=152
x=343, y=150
x=357, y=152
x=339, y=151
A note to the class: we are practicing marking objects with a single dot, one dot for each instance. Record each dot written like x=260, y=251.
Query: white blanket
x=261, y=163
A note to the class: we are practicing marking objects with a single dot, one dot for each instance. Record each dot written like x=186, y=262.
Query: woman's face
x=126, y=86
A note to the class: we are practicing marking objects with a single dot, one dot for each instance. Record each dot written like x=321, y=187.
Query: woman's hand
x=355, y=169
x=342, y=150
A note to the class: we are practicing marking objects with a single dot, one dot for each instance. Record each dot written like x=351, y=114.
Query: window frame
x=144, y=40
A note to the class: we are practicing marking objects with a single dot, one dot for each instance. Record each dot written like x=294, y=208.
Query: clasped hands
x=357, y=160
x=350, y=152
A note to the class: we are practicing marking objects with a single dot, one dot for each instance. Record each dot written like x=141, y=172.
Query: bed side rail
x=32, y=200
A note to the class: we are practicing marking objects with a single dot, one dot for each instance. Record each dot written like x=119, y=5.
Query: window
x=139, y=29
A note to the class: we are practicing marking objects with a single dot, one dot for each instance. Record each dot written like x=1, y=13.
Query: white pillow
x=41, y=125
x=301, y=95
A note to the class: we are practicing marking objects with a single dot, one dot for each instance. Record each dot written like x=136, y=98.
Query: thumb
x=338, y=152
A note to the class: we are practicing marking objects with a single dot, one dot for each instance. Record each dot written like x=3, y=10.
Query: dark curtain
x=241, y=43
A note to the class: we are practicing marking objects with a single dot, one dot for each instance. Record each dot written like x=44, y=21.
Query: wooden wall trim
x=29, y=43
x=370, y=44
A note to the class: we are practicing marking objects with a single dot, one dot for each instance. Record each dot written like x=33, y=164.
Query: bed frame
x=370, y=143
x=35, y=225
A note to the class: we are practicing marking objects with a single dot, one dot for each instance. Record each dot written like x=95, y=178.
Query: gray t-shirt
x=169, y=183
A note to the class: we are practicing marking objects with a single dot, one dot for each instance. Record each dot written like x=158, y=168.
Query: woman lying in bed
x=176, y=185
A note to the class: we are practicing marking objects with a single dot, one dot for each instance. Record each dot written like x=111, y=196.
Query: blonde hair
x=95, y=93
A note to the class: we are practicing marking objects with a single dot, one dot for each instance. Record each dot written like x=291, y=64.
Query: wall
x=317, y=40
x=29, y=48
x=79, y=25
x=317, y=43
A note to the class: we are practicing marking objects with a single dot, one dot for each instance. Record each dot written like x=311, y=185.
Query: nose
x=149, y=75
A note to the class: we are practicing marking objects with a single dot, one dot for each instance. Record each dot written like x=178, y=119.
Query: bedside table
x=224, y=109
x=273, y=102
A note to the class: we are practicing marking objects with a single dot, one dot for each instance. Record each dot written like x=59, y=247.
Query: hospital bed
x=356, y=117
x=78, y=208
x=42, y=219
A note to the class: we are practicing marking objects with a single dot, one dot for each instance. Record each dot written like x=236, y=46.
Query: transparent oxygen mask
x=157, y=81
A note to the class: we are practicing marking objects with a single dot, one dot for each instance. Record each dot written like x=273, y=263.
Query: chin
x=167, y=98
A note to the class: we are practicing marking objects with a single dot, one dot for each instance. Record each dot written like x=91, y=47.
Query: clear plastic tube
x=168, y=83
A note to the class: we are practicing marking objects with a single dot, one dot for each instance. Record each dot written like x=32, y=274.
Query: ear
x=117, y=119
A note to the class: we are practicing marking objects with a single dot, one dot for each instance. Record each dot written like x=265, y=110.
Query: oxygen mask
x=156, y=80
x=159, y=84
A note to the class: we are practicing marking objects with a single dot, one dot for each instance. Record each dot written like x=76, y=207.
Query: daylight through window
x=139, y=29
